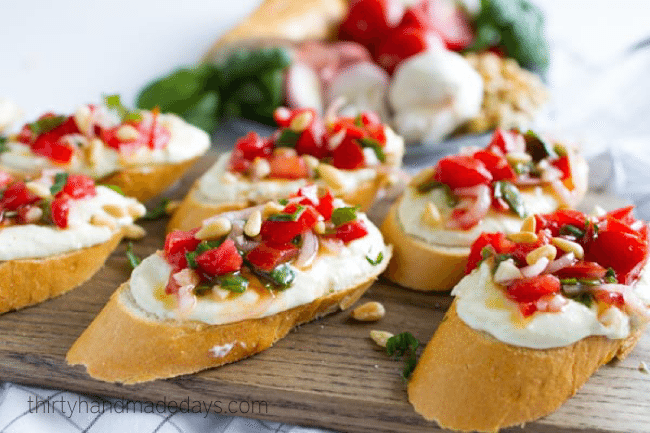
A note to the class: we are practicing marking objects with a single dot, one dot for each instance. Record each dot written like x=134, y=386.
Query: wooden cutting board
x=327, y=373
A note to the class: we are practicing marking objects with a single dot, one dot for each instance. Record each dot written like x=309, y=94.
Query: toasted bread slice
x=469, y=381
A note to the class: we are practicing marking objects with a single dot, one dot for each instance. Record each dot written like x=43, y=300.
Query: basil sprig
x=287, y=138
x=232, y=282
x=134, y=260
x=60, y=179
x=46, y=124
x=115, y=188
x=282, y=276
x=157, y=212
x=571, y=230
x=404, y=344
x=509, y=192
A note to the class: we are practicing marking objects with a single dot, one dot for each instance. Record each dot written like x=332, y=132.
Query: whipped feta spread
x=214, y=186
x=185, y=142
x=433, y=93
x=483, y=306
x=413, y=204
x=31, y=241
x=327, y=275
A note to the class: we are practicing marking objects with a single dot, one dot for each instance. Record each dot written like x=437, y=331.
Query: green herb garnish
x=3, y=144
x=375, y=146
x=133, y=259
x=282, y=276
x=283, y=201
x=376, y=261
x=450, y=198
x=610, y=276
x=508, y=192
x=571, y=230
x=538, y=147
x=157, y=212
x=201, y=248
x=60, y=179
x=288, y=138
x=589, y=281
x=114, y=102
x=584, y=298
x=202, y=289
x=46, y=124
x=569, y=281
x=404, y=344
x=287, y=216
x=115, y=188
x=342, y=215
x=234, y=283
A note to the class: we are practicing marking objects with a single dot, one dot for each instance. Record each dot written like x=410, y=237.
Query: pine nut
x=380, y=337
x=102, y=220
x=260, y=168
x=529, y=224
x=369, y=312
x=518, y=157
x=33, y=214
x=431, y=215
x=311, y=161
x=38, y=189
x=271, y=208
x=133, y=231
x=114, y=210
x=253, y=225
x=172, y=206
x=301, y=121
x=332, y=176
x=127, y=133
x=320, y=228
x=214, y=229
x=82, y=117
x=94, y=151
x=422, y=177
x=136, y=210
x=548, y=251
x=569, y=247
x=523, y=237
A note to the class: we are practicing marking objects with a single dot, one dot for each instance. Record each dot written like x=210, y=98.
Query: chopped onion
x=566, y=260
x=535, y=269
x=186, y=300
x=308, y=250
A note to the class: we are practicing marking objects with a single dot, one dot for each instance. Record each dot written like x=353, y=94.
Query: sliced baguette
x=30, y=281
x=469, y=381
x=125, y=344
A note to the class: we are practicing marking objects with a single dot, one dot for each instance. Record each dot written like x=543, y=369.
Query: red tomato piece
x=157, y=135
x=506, y=141
x=531, y=289
x=497, y=241
x=221, y=260
x=348, y=155
x=625, y=253
x=554, y=221
x=401, y=44
x=351, y=230
x=311, y=141
x=252, y=145
x=563, y=164
x=416, y=17
x=281, y=232
x=497, y=165
x=288, y=167
x=528, y=308
x=79, y=186
x=459, y=171
x=267, y=257
x=367, y=22
x=582, y=269
x=177, y=243
x=611, y=298
x=623, y=214
x=370, y=119
x=17, y=195
x=59, y=211
x=48, y=145
x=325, y=205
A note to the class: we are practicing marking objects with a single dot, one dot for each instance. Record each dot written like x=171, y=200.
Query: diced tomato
x=459, y=171
x=282, y=117
x=497, y=165
x=623, y=214
x=351, y=230
x=500, y=205
x=531, y=289
x=625, y=253
x=59, y=211
x=177, y=243
x=267, y=257
x=252, y=146
x=281, y=232
x=521, y=250
x=348, y=155
x=611, y=298
x=288, y=167
x=157, y=135
x=17, y=195
x=563, y=165
x=499, y=243
x=353, y=131
x=48, y=145
x=370, y=119
x=401, y=44
x=582, y=269
x=416, y=17
x=554, y=221
x=377, y=133
x=325, y=205
x=5, y=179
x=221, y=260
x=311, y=141
x=527, y=308
x=79, y=186
x=506, y=141
x=367, y=22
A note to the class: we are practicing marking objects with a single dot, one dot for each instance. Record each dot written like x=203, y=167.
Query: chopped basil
x=594, y=228
x=342, y=215
x=157, y=212
x=404, y=344
x=296, y=241
x=569, y=281
x=234, y=283
x=282, y=276
x=570, y=229
x=376, y=261
x=60, y=179
x=46, y=124
x=133, y=259
x=589, y=281
x=202, y=289
x=538, y=147
x=287, y=216
x=288, y=138
x=115, y=188
x=3, y=144
x=610, y=276
x=200, y=249
x=114, y=102
x=375, y=146
x=425, y=187
x=358, y=121
x=508, y=192
x=560, y=150
x=584, y=298
x=283, y=201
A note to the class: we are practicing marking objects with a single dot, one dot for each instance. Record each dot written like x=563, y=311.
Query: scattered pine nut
x=320, y=228
x=518, y=157
x=332, y=176
x=271, y=207
x=253, y=225
x=38, y=189
x=380, y=337
x=369, y=312
x=529, y=224
x=311, y=161
x=115, y=210
x=214, y=229
x=431, y=215
x=548, y=251
x=643, y=367
x=260, y=168
x=301, y=121
x=569, y=247
x=523, y=237
x=133, y=231
x=127, y=133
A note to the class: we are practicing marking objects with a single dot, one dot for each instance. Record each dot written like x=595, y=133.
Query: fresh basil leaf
x=538, y=147
x=46, y=124
x=287, y=138
x=584, y=298
x=376, y=261
x=190, y=257
x=283, y=201
x=404, y=344
x=571, y=230
x=134, y=260
x=375, y=146
x=342, y=215
x=3, y=144
x=115, y=188
x=60, y=179
x=282, y=276
x=157, y=212
x=287, y=216
x=201, y=248
x=234, y=283
x=203, y=113
x=509, y=192
x=610, y=276
x=450, y=198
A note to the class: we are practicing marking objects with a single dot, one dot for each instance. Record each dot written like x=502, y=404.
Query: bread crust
x=120, y=346
x=293, y=21
x=469, y=381
x=192, y=210
x=30, y=281
x=146, y=182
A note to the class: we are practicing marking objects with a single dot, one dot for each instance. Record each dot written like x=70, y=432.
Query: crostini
x=446, y=207
x=232, y=287
x=142, y=152
x=352, y=156
x=536, y=316
x=56, y=231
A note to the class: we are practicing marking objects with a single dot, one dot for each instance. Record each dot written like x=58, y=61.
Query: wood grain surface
x=327, y=373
